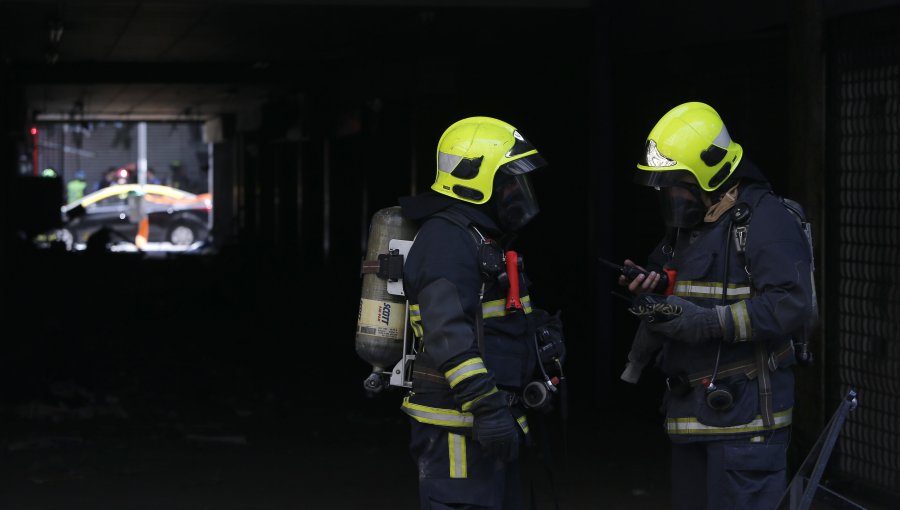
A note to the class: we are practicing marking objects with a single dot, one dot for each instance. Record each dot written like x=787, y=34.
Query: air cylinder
x=382, y=316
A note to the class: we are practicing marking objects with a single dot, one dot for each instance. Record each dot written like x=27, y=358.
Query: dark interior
x=227, y=378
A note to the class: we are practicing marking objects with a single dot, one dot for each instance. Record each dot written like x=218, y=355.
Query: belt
x=748, y=367
x=512, y=398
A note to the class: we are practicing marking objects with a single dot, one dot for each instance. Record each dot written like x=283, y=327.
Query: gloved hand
x=643, y=347
x=495, y=428
x=696, y=324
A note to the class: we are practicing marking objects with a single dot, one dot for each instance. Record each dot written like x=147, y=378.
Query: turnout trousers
x=732, y=474
x=454, y=472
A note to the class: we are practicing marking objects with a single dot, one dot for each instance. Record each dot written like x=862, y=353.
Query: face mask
x=514, y=200
x=682, y=205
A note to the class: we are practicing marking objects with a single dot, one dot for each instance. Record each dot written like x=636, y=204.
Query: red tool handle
x=512, y=271
x=673, y=275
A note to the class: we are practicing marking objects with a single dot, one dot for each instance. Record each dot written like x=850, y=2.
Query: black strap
x=764, y=382
x=749, y=367
x=461, y=220
x=479, y=329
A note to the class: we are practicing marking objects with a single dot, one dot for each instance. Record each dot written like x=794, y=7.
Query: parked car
x=175, y=216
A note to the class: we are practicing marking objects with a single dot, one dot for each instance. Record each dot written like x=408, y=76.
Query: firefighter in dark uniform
x=742, y=270
x=475, y=345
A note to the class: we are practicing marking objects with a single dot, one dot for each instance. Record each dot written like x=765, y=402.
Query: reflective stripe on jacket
x=443, y=250
x=769, y=293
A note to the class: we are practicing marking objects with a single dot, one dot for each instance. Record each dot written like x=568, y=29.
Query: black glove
x=495, y=428
x=696, y=324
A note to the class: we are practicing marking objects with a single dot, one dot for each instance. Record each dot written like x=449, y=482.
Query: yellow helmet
x=690, y=138
x=473, y=150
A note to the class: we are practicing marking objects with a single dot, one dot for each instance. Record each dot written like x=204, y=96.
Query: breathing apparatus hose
x=724, y=299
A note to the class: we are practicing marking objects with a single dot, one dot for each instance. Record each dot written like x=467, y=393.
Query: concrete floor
x=222, y=394
x=188, y=444
x=265, y=451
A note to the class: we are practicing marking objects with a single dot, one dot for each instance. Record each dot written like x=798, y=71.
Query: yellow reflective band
x=497, y=307
x=415, y=320
x=741, y=318
x=465, y=370
x=468, y=405
x=523, y=423
x=436, y=415
x=693, y=426
x=689, y=288
x=458, y=463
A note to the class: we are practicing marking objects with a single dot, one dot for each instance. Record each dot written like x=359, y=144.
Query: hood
x=419, y=207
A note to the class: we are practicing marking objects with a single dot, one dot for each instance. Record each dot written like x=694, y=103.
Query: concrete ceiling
x=200, y=57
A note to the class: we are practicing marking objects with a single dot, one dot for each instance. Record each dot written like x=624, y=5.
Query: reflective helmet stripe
x=722, y=140
x=447, y=162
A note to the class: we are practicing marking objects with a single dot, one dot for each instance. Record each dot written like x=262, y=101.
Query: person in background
x=109, y=178
x=75, y=187
x=177, y=177
x=151, y=176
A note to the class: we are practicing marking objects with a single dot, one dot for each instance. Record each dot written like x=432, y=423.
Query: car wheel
x=185, y=233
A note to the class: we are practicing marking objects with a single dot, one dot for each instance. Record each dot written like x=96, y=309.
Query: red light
x=33, y=131
x=123, y=173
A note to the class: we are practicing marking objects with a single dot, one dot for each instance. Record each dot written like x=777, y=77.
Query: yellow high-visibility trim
x=465, y=370
x=741, y=318
x=689, y=288
x=468, y=405
x=456, y=444
x=523, y=423
x=691, y=425
x=415, y=320
x=497, y=307
x=436, y=415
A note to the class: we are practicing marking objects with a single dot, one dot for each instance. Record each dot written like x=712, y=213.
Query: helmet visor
x=515, y=201
x=682, y=205
x=663, y=178
x=523, y=165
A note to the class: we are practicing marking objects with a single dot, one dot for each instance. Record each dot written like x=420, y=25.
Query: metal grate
x=864, y=259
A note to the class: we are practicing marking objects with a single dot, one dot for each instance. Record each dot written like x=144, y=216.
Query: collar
x=419, y=207
x=729, y=198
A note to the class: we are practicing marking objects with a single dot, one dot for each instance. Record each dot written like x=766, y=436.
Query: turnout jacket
x=443, y=281
x=769, y=292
